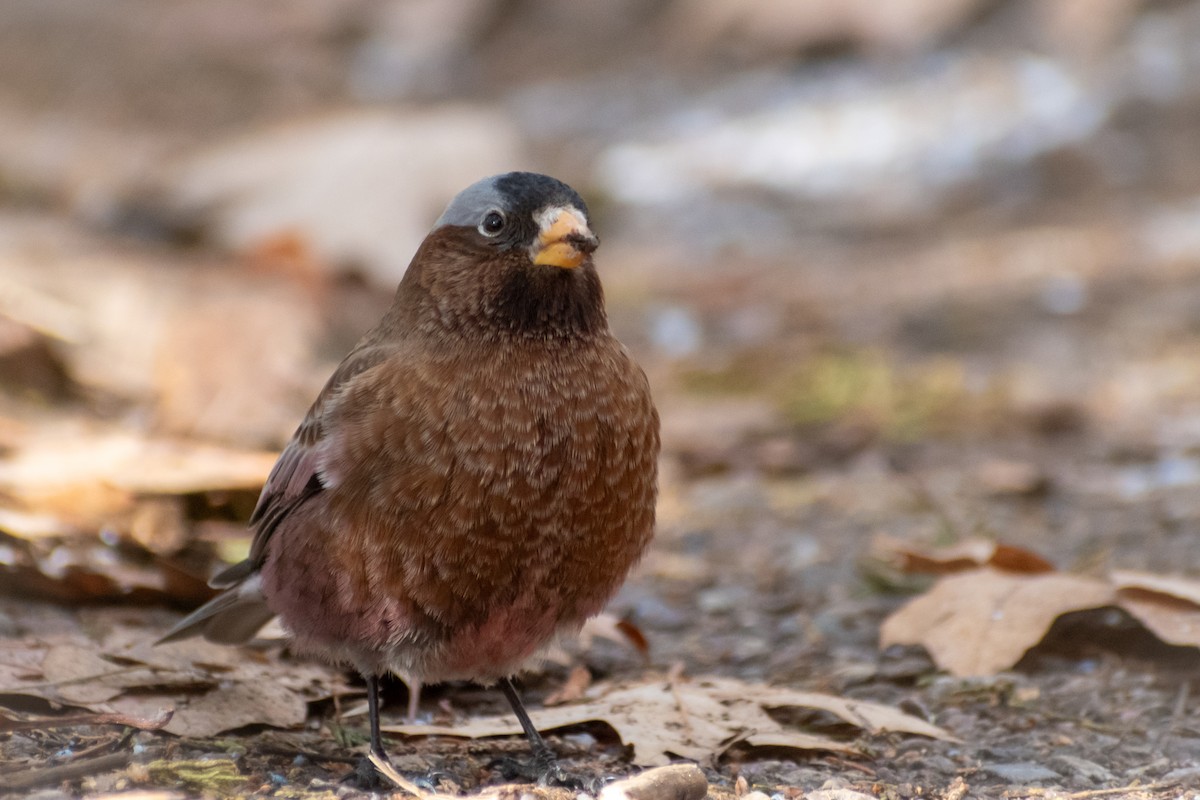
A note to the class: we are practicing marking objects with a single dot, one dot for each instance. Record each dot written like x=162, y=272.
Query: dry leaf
x=693, y=719
x=1174, y=586
x=261, y=701
x=577, y=683
x=981, y=622
x=72, y=457
x=212, y=688
x=81, y=676
x=78, y=571
x=604, y=625
x=969, y=554
x=64, y=469
x=1168, y=605
x=1174, y=621
x=611, y=627
x=871, y=717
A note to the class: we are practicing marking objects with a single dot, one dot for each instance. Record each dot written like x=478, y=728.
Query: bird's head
x=522, y=213
x=512, y=253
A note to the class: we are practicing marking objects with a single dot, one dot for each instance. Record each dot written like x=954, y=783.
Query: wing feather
x=297, y=475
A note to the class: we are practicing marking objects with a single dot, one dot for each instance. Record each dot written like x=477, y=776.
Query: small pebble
x=584, y=741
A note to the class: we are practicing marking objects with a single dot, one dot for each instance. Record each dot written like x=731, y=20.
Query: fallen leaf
x=607, y=626
x=693, y=719
x=981, y=622
x=871, y=717
x=212, y=688
x=968, y=554
x=1169, y=606
x=255, y=702
x=1174, y=586
x=101, y=470
x=79, y=675
x=576, y=684
x=613, y=628
x=87, y=570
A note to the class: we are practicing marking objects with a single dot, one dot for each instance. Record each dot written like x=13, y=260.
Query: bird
x=476, y=478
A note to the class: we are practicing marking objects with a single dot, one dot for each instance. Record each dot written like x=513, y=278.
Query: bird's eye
x=492, y=224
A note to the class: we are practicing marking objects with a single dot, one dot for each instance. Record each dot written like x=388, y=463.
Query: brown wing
x=296, y=476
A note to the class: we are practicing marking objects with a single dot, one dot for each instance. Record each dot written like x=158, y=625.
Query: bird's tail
x=232, y=617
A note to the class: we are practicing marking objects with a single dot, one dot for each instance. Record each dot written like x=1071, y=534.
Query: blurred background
x=922, y=268
x=847, y=239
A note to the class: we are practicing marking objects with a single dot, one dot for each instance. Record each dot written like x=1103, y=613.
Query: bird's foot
x=554, y=775
x=550, y=773
x=544, y=770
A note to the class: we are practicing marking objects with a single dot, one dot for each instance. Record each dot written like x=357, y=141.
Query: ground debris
x=988, y=612
x=697, y=719
x=219, y=776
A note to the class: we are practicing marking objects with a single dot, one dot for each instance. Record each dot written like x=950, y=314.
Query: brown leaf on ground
x=576, y=684
x=981, y=622
x=86, y=476
x=1176, y=587
x=969, y=554
x=63, y=484
x=871, y=717
x=73, y=570
x=260, y=701
x=212, y=688
x=695, y=719
x=611, y=627
x=602, y=626
x=1169, y=606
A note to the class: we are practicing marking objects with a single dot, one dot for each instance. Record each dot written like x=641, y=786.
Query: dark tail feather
x=232, y=617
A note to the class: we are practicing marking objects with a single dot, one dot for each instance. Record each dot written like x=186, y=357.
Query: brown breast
x=474, y=483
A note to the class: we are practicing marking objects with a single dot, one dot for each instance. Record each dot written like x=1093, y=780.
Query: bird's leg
x=414, y=699
x=545, y=763
x=365, y=773
x=373, y=715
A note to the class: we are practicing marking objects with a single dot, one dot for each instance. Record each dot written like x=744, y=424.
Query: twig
x=72, y=770
x=110, y=746
x=75, y=720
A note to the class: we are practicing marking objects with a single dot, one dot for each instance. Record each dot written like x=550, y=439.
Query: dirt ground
x=1013, y=356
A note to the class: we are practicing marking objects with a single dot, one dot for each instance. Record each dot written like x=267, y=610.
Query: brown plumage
x=477, y=476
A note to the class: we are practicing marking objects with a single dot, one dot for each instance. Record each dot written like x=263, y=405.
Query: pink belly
x=499, y=646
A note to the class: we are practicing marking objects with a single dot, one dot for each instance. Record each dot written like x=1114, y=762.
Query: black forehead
x=527, y=192
x=517, y=194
